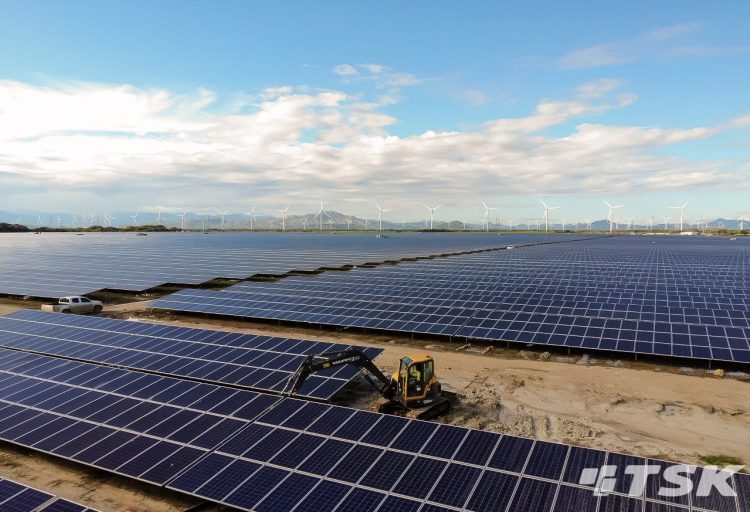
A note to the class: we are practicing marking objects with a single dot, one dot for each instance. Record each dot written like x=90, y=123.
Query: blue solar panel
x=16, y=497
x=118, y=440
x=180, y=352
x=660, y=296
x=546, y=460
x=35, y=266
x=575, y=498
x=533, y=496
x=493, y=492
x=455, y=485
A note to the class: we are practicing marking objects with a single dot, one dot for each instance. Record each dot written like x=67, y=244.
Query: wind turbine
x=182, y=220
x=284, y=213
x=666, y=223
x=251, y=213
x=319, y=215
x=742, y=220
x=158, y=218
x=547, y=209
x=610, y=215
x=330, y=220
x=486, y=218
x=135, y=219
x=222, y=213
x=381, y=211
x=682, y=212
x=588, y=223
x=349, y=224
x=432, y=212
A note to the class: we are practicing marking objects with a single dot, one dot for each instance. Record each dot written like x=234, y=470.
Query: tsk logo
x=604, y=479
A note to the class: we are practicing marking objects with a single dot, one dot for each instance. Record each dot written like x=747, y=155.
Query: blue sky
x=141, y=105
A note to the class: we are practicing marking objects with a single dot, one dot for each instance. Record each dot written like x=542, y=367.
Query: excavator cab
x=416, y=381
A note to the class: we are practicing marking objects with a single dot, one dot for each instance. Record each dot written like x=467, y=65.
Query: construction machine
x=413, y=390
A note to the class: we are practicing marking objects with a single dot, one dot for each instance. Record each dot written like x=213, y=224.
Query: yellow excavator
x=413, y=390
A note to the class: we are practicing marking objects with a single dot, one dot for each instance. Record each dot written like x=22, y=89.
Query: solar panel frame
x=124, y=344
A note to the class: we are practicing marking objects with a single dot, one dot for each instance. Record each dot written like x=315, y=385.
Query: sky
x=135, y=106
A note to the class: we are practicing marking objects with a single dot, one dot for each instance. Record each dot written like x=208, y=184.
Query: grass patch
x=720, y=460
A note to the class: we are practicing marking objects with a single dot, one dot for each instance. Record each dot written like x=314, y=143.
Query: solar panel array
x=264, y=453
x=56, y=265
x=15, y=497
x=137, y=425
x=262, y=363
x=668, y=296
x=308, y=457
x=208, y=441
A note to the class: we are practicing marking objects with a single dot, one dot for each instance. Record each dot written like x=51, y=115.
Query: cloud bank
x=299, y=142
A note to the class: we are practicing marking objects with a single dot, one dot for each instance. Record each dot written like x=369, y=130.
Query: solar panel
x=659, y=296
x=337, y=467
x=15, y=497
x=86, y=413
x=39, y=266
x=247, y=361
x=278, y=454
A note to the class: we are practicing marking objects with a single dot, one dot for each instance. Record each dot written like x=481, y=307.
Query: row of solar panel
x=299, y=455
x=259, y=369
x=548, y=311
x=714, y=346
x=137, y=425
x=32, y=266
x=304, y=456
x=15, y=497
x=369, y=285
x=429, y=295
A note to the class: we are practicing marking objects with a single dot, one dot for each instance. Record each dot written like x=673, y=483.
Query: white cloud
x=645, y=45
x=345, y=70
x=297, y=143
x=597, y=88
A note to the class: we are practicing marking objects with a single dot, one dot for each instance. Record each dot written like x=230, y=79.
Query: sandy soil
x=655, y=411
x=96, y=489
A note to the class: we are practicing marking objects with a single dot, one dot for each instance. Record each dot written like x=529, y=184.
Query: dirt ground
x=92, y=488
x=651, y=410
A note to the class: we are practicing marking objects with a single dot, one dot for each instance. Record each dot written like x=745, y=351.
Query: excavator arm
x=354, y=356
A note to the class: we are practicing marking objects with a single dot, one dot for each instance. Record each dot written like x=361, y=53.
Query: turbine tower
x=251, y=213
x=284, y=213
x=381, y=211
x=319, y=215
x=666, y=223
x=486, y=218
x=547, y=209
x=682, y=212
x=222, y=213
x=742, y=220
x=182, y=220
x=611, y=214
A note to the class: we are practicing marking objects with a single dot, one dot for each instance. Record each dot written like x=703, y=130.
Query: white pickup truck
x=76, y=304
